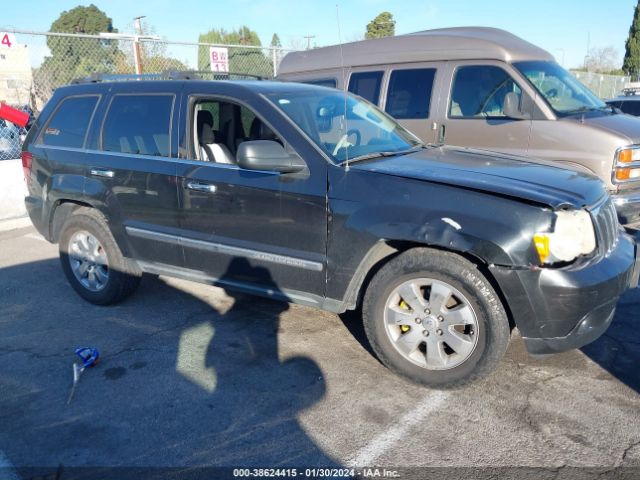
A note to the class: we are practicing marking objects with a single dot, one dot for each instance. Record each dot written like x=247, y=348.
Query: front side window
x=138, y=124
x=409, y=93
x=342, y=125
x=219, y=127
x=367, y=85
x=479, y=92
x=69, y=124
x=562, y=91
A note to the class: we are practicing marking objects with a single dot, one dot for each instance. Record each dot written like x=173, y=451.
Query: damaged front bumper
x=565, y=308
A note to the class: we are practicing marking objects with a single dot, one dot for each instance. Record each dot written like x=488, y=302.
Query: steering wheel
x=552, y=93
x=344, y=140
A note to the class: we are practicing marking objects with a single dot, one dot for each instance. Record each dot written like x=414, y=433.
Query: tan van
x=486, y=88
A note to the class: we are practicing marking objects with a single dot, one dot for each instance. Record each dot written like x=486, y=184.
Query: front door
x=474, y=116
x=255, y=229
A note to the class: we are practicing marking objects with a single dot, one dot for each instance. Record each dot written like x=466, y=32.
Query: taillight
x=27, y=159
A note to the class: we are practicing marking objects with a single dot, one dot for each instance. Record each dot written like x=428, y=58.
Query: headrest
x=205, y=127
x=259, y=131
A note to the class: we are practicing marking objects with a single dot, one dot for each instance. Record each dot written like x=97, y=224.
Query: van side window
x=68, y=125
x=325, y=82
x=138, y=124
x=409, y=93
x=367, y=85
x=478, y=92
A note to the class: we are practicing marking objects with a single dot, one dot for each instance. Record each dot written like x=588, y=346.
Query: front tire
x=92, y=260
x=432, y=317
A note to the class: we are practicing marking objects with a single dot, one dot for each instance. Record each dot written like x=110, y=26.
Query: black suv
x=314, y=196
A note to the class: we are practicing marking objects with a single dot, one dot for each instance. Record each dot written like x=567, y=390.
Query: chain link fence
x=605, y=86
x=34, y=64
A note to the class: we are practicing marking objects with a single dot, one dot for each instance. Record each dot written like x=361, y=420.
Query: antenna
x=344, y=87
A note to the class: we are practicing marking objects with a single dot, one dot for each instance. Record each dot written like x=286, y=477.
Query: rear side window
x=631, y=107
x=409, y=93
x=69, y=123
x=479, y=91
x=138, y=124
x=367, y=85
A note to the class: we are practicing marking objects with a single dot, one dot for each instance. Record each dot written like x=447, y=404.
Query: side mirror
x=268, y=155
x=512, y=107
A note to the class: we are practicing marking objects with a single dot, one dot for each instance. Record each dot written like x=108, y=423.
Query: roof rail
x=167, y=75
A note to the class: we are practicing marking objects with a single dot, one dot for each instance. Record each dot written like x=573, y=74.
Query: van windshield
x=564, y=93
x=345, y=127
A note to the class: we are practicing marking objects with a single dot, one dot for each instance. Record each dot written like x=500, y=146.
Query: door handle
x=201, y=187
x=97, y=172
x=441, y=134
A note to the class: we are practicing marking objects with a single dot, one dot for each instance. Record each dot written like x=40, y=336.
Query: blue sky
x=564, y=28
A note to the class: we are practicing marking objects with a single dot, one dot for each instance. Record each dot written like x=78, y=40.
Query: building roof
x=461, y=43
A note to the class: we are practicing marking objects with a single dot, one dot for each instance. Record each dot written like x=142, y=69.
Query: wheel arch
x=385, y=250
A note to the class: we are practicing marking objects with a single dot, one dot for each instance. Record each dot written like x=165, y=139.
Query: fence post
x=136, y=55
x=274, y=59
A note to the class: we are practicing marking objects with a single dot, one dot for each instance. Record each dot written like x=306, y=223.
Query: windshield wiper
x=579, y=110
x=390, y=153
x=370, y=156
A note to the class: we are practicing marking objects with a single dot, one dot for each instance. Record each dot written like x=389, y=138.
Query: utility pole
x=137, y=55
x=309, y=37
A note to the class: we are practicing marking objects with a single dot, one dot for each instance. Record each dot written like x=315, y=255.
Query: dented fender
x=493, y=228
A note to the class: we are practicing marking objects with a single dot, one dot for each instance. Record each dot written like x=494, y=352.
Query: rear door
x=473, y=115
x=132, y=171
x=259, y=229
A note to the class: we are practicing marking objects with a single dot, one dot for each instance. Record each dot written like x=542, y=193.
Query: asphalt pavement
x=192, y=376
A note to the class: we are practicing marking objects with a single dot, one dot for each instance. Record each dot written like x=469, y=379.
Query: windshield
x=564, y=93
x=345, y=127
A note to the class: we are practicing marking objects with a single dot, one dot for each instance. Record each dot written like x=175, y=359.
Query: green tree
x=73, y=57
x=275, y=41
x=250, y=61
x=382, y=26
x=631, y=63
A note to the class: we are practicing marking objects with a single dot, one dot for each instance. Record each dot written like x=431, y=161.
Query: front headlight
x=626, y=167
x=573, y=235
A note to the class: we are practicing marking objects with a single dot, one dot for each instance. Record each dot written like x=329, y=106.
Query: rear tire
x=432, y=317
x=92, y=261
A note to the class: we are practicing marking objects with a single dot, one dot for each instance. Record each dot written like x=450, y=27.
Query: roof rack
x=167, y=75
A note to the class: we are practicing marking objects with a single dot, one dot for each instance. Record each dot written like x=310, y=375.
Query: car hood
x=518, y=177
x=626, y=126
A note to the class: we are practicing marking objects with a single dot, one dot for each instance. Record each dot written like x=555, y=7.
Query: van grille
x=606, y=224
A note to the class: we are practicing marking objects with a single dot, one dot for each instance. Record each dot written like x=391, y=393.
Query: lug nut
x=439, y=332
x=426, y=333
x=418, y=321
x=441, y=318
x=427, y=311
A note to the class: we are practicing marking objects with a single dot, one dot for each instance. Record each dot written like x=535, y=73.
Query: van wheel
x=92, y=261
x=433, y=317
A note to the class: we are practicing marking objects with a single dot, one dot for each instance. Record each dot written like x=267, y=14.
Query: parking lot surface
x=191, y=375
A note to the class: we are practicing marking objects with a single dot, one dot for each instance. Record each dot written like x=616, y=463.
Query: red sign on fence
x=219, y=59
x=7, y=39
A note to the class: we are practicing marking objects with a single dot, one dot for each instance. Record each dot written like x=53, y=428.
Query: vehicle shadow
x=618, y=350
x=181, y=383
